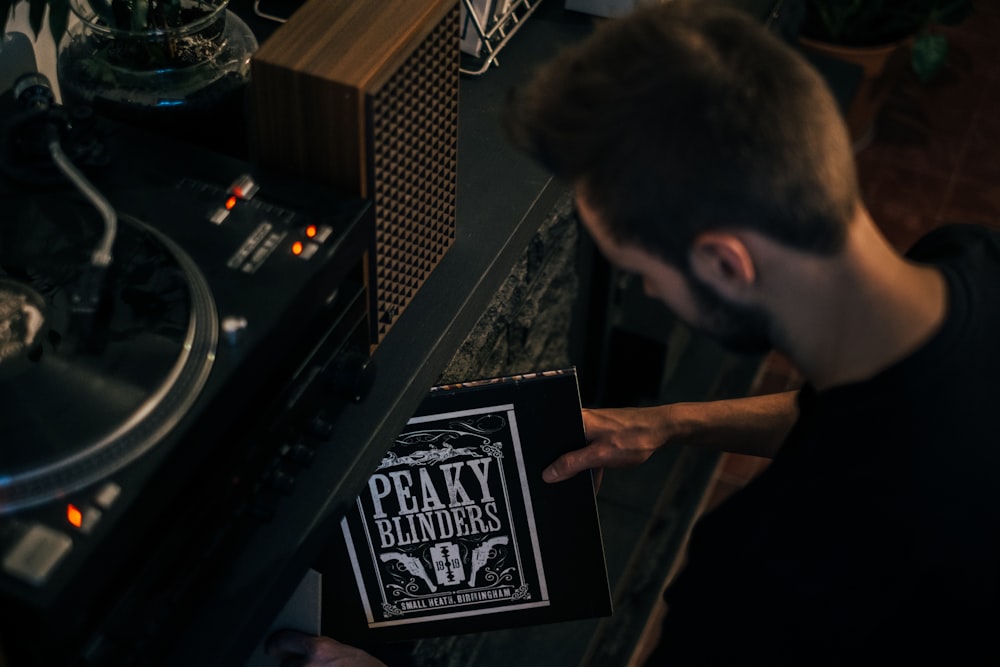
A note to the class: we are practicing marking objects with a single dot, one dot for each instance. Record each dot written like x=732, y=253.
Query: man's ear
x=723, y=261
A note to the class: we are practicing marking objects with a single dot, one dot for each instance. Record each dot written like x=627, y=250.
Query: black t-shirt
x=874, y=535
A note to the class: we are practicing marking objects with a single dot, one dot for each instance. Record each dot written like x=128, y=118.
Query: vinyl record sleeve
x=456, y=532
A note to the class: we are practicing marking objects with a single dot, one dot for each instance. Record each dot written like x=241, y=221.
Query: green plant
x=878, y=22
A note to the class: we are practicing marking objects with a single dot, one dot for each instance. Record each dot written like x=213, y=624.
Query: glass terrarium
x=157, y=62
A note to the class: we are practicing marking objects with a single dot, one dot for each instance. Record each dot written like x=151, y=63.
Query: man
x=709, y=159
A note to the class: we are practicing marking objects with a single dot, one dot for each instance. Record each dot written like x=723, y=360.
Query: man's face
x=737, y=327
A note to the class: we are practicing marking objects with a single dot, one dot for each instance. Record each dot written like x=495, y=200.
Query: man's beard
x=740, y=329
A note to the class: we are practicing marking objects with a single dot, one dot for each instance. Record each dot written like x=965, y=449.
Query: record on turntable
x=84, y=393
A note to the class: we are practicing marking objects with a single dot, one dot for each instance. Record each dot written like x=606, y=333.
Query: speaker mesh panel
x=414, y=158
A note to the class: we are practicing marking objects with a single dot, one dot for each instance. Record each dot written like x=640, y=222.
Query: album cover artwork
x=455, y=530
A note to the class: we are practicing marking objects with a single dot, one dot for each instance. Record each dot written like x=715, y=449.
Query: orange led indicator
x=297, y=248
x=311, y=231
x=230, y=203
x=74, y=515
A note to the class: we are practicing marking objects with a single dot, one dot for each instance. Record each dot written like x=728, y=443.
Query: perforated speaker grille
x=414, y=158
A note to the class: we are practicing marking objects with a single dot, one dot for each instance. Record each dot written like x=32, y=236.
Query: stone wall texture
x=526, y=326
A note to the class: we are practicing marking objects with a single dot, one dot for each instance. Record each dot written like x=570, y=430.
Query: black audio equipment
x=177, y=331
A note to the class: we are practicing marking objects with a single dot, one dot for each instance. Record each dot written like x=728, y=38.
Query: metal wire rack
x=494, y=32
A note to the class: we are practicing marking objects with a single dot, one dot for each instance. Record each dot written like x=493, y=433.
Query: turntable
x=174, y=326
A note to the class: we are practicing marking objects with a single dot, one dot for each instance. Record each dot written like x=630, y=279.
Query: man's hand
x=623, y=437
x=616, y=438
x=297, y=649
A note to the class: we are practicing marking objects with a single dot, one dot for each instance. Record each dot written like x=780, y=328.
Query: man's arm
x=622, y=437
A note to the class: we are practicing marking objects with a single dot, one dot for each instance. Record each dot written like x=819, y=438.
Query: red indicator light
x=230, y=203
x=74, y=515
x=297, y=248
x=311, y=231
x=238, y=191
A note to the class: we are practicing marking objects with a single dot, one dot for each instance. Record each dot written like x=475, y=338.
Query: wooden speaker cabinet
x=363, y=95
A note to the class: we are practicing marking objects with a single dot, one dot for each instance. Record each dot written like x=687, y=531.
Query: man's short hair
x=687, y=116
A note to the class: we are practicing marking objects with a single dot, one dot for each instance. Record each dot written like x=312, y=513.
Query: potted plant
x=872, y=34
x=880, y=23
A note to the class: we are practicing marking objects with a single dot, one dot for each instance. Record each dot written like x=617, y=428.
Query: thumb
x=288, y=641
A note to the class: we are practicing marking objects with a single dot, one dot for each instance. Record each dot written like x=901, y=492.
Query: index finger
x=571, y=464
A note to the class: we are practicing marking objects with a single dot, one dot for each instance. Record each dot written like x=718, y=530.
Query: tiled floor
x=935, y=158
x=936, y=154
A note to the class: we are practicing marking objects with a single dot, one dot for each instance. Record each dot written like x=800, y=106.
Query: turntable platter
x=72, y=414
